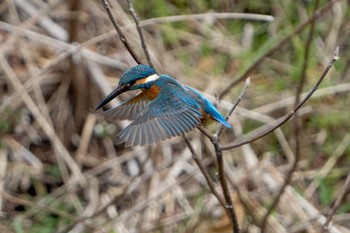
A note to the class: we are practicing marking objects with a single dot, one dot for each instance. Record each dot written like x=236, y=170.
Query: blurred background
x=61, y=172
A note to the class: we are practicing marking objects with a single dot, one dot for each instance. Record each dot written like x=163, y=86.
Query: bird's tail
x=221, y=119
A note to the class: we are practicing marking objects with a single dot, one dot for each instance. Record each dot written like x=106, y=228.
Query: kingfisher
x=164, y=108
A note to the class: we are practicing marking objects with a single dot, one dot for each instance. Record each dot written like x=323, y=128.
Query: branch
x=228, y=205
x=285, y=118
x=204, y=172
x=239, y=99
x=120, y=32
x=218, y=152
x=296, y=125
x=337, y=203
x=139, y=30
x=206, y=132
x=221, y=173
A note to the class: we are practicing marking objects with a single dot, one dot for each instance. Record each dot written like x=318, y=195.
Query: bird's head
x=137, y=77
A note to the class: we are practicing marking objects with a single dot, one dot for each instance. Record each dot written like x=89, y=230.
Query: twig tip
x=247, y=81
x=336, y=54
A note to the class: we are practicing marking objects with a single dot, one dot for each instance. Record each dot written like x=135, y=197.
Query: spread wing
x=171, y=114
x=128, y=109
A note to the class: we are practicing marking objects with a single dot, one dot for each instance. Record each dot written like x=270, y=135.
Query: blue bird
x=164, y=108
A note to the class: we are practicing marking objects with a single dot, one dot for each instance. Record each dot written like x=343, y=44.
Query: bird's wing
x=127, y=109
x=171, y=114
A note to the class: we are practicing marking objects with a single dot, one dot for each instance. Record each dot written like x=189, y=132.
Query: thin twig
x=276, y=47
x=296, y=124
x=204, y=171
x=285, y=118
x=337, y=203
x=139, y=30
x=120, y=32
x=239, y=99
x=205, y=132
x=334, y=158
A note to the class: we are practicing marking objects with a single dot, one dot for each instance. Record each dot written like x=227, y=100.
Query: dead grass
x=61, y=172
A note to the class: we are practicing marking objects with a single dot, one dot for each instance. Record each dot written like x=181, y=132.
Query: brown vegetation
x=61, y=172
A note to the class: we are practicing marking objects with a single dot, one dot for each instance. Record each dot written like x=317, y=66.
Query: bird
x=162, y=109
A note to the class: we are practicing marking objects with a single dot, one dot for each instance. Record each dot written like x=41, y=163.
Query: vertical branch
x=120, y=32
x=139, y=30
x=204, y=172
x=296, y=121
x=226, y=191
x=228, y=204
x=289, y=115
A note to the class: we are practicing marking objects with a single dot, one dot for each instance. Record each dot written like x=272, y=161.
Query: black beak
x=112, y=95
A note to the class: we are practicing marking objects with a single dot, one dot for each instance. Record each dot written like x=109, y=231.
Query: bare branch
x=120, y=32
x=139, y=30
x=239, y=99
x=225, y=189
x=296, y=124
x=205, y=132
x=337, y=203
x=285, y=118
x=204, y=171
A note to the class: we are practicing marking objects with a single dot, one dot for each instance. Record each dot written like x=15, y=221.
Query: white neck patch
x=151, y=78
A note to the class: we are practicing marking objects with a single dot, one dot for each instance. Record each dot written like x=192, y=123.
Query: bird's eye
x=130, y=83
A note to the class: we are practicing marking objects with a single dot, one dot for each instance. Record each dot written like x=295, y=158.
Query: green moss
x=326, y=190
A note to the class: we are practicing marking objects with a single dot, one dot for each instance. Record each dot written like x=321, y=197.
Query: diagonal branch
x=120, y=32
x=204, y=172
x=285, y=118
x=337, y=203
x=239, y=99
x=139, y=30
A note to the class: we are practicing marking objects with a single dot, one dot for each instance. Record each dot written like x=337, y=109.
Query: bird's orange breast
x=152, y=92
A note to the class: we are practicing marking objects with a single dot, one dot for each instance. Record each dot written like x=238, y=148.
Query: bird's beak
x=112, y=95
